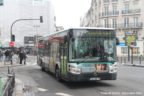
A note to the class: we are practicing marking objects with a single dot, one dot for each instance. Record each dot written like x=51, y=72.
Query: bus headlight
x=113, y=68
x=75, y=69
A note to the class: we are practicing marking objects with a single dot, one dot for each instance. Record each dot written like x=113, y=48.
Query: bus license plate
x=95, y=78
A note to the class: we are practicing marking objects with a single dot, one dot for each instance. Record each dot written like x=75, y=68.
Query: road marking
x=63, y=94
x=42, y=89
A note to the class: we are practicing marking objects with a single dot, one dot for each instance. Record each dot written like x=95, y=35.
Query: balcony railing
x=126, y=0
x=124, y=26
x=124, y=12
x=131, y=25
x=105, y=14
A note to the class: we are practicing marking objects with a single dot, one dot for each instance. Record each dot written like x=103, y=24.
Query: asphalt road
x=130, y=82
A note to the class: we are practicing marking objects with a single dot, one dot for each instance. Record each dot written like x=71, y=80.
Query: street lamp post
x=41, y=21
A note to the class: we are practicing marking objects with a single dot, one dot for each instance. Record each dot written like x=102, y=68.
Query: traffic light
x=13, y=38
x=41, y=19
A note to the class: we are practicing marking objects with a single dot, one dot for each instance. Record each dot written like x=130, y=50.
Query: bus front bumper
x=92, y=76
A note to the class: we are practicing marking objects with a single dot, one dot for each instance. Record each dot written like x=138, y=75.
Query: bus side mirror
x=117, y=41
x=65, y=39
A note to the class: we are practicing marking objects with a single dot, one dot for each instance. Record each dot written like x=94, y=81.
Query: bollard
x=8, y=70
x=121, y=60
x=140, y=59
x=125, y=60
x=0, y=86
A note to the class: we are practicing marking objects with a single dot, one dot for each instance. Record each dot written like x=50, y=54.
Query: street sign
x=130, y=40
x=36, y=45
x=11, y=44
x=41, y=45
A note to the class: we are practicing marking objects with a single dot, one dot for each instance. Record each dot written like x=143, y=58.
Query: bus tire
x=57, y=74
x=43, y=69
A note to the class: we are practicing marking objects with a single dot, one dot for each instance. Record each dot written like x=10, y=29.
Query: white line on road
x=63, y=94
x=42, y=89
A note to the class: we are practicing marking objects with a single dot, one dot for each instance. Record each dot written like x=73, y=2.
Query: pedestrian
x=22, y=56
x=17, y=52
x=1, y=56
x=6, y=55
x=11, y=53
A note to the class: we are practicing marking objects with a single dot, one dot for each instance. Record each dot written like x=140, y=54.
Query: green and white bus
x=80, y=54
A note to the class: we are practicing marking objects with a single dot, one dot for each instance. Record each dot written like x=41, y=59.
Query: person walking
x=11, y=53
x=1, y=56
x=7, y=55
x=22, y=56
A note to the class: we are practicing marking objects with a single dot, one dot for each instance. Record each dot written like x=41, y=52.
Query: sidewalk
x=135, y=63
x=18, y=90
x=4, y=63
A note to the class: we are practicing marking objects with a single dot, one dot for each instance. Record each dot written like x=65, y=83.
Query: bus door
x=51, y=58
x=63, y=59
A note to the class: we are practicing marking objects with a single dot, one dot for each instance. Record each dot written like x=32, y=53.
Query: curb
x=134, y=65
x=11, y=65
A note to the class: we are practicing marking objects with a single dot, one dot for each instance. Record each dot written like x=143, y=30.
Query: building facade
x=12, y=10
x=126, y=16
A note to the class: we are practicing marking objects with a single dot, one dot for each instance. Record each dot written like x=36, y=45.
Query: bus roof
x=102, y=28
x=98, y=28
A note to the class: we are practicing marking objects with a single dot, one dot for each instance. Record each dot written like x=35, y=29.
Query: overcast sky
x=68, y=12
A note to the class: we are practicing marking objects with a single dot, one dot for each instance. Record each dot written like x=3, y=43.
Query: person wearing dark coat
x=7, y=53
x=1, y=55
x=22, y=56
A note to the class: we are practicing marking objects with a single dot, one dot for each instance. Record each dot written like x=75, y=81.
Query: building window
x=136, y=5
x=136, y=50
x=135, y=21
x=106, y=10
x=114, y=0
x=99, y=2
x=106, y=23
x=106, y=1
x=1, y=2
x=114, y=10
x=126, y=22
x=124, y=50
x=136, y=33
x=126, y=8
x=114, y=23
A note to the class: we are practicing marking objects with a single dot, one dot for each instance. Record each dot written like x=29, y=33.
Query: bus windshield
x=88, y=49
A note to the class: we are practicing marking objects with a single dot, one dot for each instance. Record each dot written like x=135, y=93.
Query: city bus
x=79, y=54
